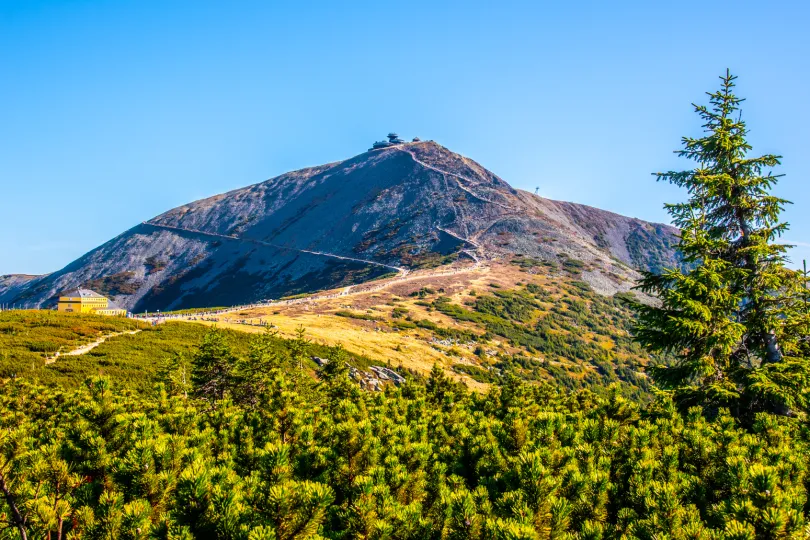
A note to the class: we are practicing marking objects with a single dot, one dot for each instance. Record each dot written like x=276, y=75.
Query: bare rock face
x=14, y=284
x=409, y=205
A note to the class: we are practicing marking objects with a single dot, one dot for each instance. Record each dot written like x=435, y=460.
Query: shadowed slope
x=408, y=206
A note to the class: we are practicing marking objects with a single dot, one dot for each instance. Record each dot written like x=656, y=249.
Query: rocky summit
x=395, y=208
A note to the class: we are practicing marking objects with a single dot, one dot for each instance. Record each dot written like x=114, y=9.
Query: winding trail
x=475, y=244
x=401, y=271
x=362, y=288
x=87, y=347
x=472, y=252
x=455, y=176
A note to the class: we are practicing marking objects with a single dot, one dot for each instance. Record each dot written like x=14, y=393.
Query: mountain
x=404, y=206
x=11, y=285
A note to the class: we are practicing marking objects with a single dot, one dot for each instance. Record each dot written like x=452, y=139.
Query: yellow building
x=87, y=301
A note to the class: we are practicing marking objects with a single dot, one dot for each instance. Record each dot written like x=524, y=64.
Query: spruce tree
x=172, y=373
x=253, y=374
x=212, y=367
x=731, y=317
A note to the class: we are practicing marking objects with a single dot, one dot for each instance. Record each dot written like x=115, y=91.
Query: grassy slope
x=569, y=334
x=536, y=318
x=529, y=317
x=27, y=338
x=133, y=360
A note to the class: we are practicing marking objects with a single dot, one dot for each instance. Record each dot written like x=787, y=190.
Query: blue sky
x=130, y=108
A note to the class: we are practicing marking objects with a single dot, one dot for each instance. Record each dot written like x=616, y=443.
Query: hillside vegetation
x=537, y=320
x=29, y=337
x=286, y=457
x=572, y=336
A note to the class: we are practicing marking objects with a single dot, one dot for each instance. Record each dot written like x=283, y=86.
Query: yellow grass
x=414, y=349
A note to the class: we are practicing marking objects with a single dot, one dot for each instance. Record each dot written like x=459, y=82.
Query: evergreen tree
x=298, y=376
x=172, y=373
x=212, y=367
x=251, y=376
x=298, y=347
x=732, y=318
x=441, y=390
x=336, y=375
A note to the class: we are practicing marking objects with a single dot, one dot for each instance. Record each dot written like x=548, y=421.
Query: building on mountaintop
x=416, y=139
x=393, y=139
x=87, y=301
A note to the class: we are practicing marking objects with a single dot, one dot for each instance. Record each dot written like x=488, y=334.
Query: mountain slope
x=407, y=206
x=12, y=285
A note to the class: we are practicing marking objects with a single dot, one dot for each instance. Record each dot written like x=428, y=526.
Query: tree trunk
x=773, y=353
x=16, y=517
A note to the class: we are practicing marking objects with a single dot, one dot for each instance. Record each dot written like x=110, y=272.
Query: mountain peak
x=399, y=206
x=392, y=140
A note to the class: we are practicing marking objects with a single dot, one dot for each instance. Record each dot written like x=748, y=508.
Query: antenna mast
x=804, y=264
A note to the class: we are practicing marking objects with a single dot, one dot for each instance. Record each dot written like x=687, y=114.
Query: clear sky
x=112, y=112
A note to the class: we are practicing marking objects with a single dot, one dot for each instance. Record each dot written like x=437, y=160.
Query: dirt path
x=398, y=269
x=403, y=273
x=88, y=346
x=473, y=243
x=456, y=177
x=351, y=290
